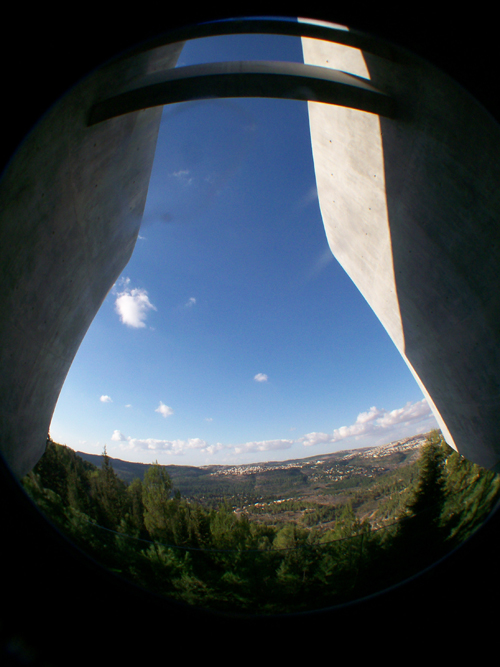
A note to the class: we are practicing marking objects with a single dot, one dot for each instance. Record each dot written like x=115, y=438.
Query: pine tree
x=136, y=508
x=430, y=495
x=108, y=494
x=156, y=492
x=421, y=539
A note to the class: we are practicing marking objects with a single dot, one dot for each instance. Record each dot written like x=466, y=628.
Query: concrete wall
x=411, y=209
x=71, y=205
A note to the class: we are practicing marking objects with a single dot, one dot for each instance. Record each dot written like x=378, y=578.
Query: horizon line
x=232, y=465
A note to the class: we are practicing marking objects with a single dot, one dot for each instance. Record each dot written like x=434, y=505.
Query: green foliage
x=108, y=495
x=62, y=471
x=227, y=530
x=472, y=493
x=134, y=519
x=156, y=492
x=224, y=560
x=48, y=501
x=298, y=558
x=430, y=494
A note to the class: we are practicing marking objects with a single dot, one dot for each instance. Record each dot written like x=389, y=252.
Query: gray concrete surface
x=71, y=206
x=411, y=209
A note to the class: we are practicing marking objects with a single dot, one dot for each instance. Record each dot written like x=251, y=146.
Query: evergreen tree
x=108, y=493
x=136, y=509
x=157, y=489
x=430, y=494
x=78, y=488
x=421, y=538
x=52, y=469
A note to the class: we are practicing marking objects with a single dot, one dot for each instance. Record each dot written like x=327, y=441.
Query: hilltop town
x=373, y=479
x=405, y=445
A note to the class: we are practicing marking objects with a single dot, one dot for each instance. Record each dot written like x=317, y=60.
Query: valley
x=307, y=491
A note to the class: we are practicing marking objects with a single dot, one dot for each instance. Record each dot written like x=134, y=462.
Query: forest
x=231, y=560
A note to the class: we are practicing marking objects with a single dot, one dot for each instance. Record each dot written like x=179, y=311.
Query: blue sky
x=233, y=335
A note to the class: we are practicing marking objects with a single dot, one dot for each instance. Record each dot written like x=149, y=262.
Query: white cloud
x=316, y=439
x=209, y=419
x=260, y=377
x=370, y=415
x=129, y=405
x=191, y=302
x=183, y=176
x=169, y=446
x=132, y=305
x=121, y=282
x=106, y=399
x=263, y=446
x=212, y=449
x=177, y=447
x=411, y=412
x=375, y=420
x=164, y=410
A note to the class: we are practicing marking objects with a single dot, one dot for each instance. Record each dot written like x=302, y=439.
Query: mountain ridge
x=129, y=470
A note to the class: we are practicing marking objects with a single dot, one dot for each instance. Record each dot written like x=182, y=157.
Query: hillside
x=365, y=477
x=306, y=533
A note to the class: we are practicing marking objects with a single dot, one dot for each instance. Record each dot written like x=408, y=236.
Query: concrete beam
x=283, y=80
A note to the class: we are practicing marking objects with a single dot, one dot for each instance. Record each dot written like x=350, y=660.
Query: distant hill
x=279, y=478
x=126, y=470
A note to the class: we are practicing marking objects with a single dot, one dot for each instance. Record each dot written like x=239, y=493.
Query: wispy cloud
x=106, y=399
x=322, y=261
x=372, y=421
x=183, y=176
x=183, y=446
x=260, y=377
x=132, y=305
x=316, y=439
x=164, y=410
x=263, y=446
x=213, y=449
x=191, y=302
x=169, y=446
x=310, y=196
